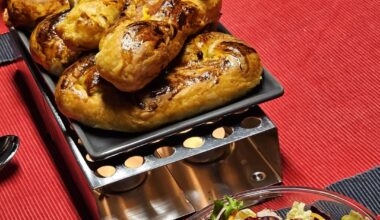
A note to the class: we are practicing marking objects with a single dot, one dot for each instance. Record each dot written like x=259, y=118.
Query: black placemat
x=364, y=188
x=8, y=49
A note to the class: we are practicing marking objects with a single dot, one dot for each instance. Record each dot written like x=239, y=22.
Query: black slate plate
x=101, y=144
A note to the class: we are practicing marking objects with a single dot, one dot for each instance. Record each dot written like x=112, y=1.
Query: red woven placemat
x=326, y=55
x=30, y=186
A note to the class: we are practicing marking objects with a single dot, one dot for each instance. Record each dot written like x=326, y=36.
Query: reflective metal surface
x=267, y=144
x=240, y=168
x=194, y=183
x=179, y=152
x=158, y=197
x=8, y=148
x=127, y=184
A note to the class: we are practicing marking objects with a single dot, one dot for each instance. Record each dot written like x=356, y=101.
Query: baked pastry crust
x=48, y=49
x=132, y=53
x=213, y=69
x=87, y=20
x=26, y=14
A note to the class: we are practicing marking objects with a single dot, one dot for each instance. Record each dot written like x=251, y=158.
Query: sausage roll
x=48, y=49
x=132, y=54
x=87, y=20
x=27, y=13
x=213, y=69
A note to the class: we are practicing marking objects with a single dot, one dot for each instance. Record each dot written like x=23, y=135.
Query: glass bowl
x=280, y=199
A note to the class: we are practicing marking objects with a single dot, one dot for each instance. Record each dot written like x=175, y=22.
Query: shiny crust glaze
x=130, y=68
x=48, y=49
x=87, y=20
x=145, y=48
x=27, y=13
x=213, y=69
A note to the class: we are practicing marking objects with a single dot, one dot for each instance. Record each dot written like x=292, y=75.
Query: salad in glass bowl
x=285, y=203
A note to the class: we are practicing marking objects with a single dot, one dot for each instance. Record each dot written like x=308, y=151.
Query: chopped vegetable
x=316, y=216
x=218, y=207
x=353, y=216
x=223, y=210
x=268, y=213
x=244, y=214
x=298, y=212
x=229, y=209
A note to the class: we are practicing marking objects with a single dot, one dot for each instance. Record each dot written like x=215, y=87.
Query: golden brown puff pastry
x=48, y=49
x=131, y=59
x=85, y=23
x=27, y=13
x=213, y=70
x=133, y=9
x=133, y=53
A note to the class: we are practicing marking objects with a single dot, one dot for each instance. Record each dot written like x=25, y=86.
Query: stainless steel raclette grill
x=185, y=145
x=175, y=173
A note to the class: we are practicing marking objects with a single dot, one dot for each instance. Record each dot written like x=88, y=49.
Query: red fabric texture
x=30, y=186
x=326, y=55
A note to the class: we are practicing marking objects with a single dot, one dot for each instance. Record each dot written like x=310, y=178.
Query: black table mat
x=364, y=188
x=8, y=49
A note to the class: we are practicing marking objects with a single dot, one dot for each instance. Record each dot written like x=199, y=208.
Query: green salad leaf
x=218, y=206
x=227, y=206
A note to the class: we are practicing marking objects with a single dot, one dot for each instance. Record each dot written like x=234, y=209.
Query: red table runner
x=325, y=53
